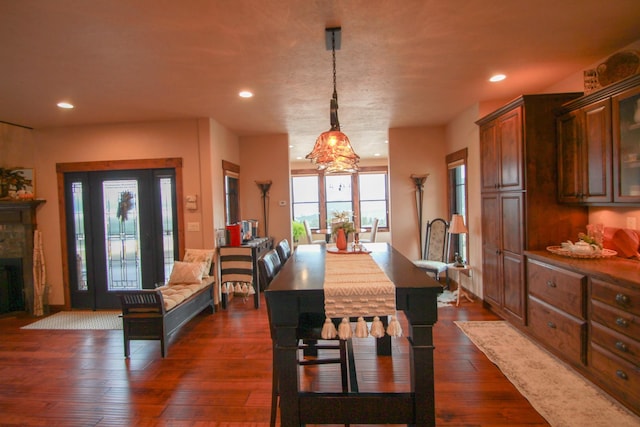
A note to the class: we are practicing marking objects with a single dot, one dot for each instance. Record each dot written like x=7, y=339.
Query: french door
x=121, y=233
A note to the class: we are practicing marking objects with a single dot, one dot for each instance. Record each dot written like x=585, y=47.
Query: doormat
x=79, y=320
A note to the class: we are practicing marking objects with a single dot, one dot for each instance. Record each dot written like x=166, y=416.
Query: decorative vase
x=341, y=240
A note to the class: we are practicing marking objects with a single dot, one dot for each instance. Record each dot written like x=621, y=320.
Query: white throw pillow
x=186, y=272
x=200, y=255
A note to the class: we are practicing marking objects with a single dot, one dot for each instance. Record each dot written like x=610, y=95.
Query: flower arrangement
x=342, y=220
x=125, y=204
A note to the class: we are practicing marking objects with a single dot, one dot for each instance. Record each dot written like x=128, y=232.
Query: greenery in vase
x=342, y=220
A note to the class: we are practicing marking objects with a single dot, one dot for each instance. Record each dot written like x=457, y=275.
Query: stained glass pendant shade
x=332, y=151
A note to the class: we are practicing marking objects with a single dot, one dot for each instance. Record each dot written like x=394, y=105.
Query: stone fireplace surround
x=17, y=224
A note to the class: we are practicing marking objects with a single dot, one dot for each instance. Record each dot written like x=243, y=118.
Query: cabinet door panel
x=491, y=278
x=512, y=217
x=489, y=157
x=513, y=281
x=491, y=220
x=510, y=138
x=597, y=146
x=626, y=146
x=569, y=171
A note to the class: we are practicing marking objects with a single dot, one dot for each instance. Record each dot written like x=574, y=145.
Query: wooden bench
x=144, y=316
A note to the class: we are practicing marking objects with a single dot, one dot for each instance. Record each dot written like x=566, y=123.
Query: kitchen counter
x=625, y=272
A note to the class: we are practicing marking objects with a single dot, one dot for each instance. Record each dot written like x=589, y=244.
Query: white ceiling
x=402, y=62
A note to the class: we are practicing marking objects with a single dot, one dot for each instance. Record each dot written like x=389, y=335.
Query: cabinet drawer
x=621, y=345
x=626, y=299
x=561, y=288
x=561, y=332
x=617, y=375
x=613, y=318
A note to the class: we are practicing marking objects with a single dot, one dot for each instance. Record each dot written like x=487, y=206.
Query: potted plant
x=298, y=230
x=341, y=226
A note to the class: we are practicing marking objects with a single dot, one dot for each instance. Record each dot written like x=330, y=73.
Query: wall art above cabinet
x=599, y=146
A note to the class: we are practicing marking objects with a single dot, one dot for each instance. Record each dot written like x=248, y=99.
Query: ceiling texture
x=402, y=63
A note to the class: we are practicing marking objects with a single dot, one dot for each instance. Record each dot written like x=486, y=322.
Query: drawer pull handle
x=622, y=322
x=551, y=284
x=622, y=374
x=621, y=346
x=551, y=325
x=622, y=299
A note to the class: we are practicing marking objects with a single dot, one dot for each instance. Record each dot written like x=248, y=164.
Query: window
x=457, y=195
x=373, y=199
x=316, y=196
x=306, y=201
x=339, y=194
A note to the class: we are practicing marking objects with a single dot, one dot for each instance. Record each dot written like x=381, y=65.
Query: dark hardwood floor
x=218, y=373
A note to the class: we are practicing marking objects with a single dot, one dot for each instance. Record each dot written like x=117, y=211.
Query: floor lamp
x=419, y=181
x=264, y=189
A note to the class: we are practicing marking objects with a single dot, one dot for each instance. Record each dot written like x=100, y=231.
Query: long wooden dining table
x=298, y=288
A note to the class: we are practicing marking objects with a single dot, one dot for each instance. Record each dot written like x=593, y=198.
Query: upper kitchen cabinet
x=626, y=147
x=599, y=146
x=501, y=151
x=584, y=154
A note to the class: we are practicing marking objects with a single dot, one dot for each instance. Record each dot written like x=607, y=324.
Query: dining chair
x=284, y=250
x=309, y=334
x=436, y=250
x=268, y=266
x=310, y=239
x=374, y=232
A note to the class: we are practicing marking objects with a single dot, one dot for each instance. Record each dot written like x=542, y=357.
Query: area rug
x=446, y=297
x=561, y=396
x=79, y=320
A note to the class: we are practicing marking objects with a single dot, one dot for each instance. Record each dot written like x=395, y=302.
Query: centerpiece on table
x=341, y=226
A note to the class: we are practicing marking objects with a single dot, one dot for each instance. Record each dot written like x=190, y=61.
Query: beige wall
x=266, y=158
x=464, y=133
x=16, y=147
x=115, y=142
x=419, y=151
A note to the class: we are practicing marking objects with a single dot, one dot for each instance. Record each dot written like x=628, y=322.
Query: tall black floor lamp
x=264, y=189
x=419, y=181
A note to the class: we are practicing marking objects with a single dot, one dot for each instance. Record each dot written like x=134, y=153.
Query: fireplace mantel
x=17, y=224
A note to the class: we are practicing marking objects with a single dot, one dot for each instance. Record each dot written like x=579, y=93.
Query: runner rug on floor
x=79, y=320
x=561, y=396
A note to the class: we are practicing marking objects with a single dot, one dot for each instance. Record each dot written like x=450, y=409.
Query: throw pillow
x=200, y=255
x=186, y=272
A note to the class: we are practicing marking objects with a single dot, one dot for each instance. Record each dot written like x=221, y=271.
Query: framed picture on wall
x=23, y=183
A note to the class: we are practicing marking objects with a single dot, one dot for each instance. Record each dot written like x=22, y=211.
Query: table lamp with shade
x=457, y=226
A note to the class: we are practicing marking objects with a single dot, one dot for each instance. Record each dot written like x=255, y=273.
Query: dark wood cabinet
x=587, y=312
x=519, y=197
x=599, y=146
x=557, y=315
x=584, y=154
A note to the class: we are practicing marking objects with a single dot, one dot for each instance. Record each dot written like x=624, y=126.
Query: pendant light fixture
x=332, y=151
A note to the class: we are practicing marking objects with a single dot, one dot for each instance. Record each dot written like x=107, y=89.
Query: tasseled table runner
x=355, y=286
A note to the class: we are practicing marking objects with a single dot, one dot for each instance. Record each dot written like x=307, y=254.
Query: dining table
x=298, y=288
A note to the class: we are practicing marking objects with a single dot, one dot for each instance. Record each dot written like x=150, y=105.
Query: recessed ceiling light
x=291, y=146
x=65, y=105
x=377, y=154
x=497, y=78
x=245, y=94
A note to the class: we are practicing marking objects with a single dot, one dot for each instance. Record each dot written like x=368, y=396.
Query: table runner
x=355, y=286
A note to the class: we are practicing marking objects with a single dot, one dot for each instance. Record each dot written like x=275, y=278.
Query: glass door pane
x=122, y=234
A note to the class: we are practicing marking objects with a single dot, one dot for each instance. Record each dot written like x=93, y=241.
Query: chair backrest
x=284, y=250
x=268, y=267
x=437, y=243
x=307, y=230
x=374, y=229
